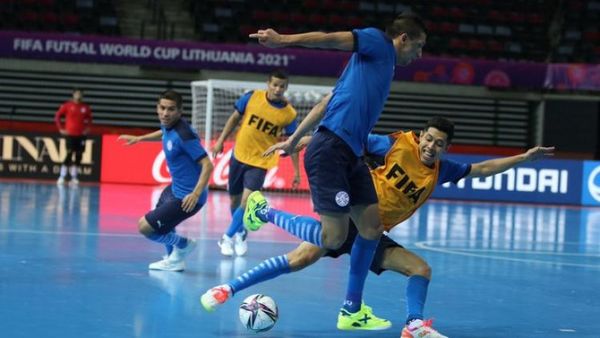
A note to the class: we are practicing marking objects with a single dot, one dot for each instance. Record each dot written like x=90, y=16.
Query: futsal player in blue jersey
x=340, y=183
x=190, y=169
x=412, y=167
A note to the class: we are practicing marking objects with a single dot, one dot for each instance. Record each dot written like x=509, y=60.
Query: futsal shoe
x=214, y=297
x=226, y=245
x=178, y=255
x=420, y=329
x=60, y=181
x=239, y=243
x=74, y=181
x=364, y=319
x=167, y=265
x=255, y=214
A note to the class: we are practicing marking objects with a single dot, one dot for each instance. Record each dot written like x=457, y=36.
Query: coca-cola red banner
x=144, y=163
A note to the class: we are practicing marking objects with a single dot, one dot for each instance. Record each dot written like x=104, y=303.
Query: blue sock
x=266, y=270
x=303, y=227
x=236, y=224
x=416, y=293
x=170, y=238
x=361, y=257
x=232, y=210
x=169, y=247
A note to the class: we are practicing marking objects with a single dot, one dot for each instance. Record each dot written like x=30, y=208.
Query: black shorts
x=338, y=179
x=75, y=143
x=384, y=243
x=244, y=176
x=168, y=212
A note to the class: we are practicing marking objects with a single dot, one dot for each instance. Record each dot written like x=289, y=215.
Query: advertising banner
x=571, y=77
x=36, y=155
x=545, y=181
x=255, y=58
x=145, y=163
x=590, y=191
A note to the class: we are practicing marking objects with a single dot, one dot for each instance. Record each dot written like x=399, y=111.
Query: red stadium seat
x=336, y=20
x=260, y=15
x=317, y=19
x=298, y=19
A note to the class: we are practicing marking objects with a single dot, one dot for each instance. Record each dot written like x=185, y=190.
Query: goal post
x=212, y=104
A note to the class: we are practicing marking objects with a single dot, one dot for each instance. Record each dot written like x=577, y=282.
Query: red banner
x=145, y=163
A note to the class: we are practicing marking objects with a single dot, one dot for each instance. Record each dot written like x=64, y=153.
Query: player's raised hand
x=268, y=38
x=538, y=152
x=129, y=139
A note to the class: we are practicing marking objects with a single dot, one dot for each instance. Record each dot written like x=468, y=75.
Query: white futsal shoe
x=226, y=245
x=240, y=244
x=166, y=264
x=420, y=329
x=214, y=297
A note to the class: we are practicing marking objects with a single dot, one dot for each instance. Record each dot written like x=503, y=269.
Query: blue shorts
x=244, y=176
x=168, y=212
x=338, y=178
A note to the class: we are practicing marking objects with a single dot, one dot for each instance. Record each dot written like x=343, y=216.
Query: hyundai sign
x=544, y=181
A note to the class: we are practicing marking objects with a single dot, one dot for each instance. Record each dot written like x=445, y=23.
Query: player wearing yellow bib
x=264, y=116
x=412, y=168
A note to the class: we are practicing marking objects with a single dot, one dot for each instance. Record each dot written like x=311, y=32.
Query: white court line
x=528, y=252
x=425, y=245
x=138, y=236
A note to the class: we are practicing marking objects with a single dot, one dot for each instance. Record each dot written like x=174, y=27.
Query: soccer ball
x=258, y=313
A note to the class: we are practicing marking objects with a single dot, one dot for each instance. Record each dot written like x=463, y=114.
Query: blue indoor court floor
x=73, y=265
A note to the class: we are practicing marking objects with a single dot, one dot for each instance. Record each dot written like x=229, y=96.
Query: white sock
x=73, y=171
x=63, y=171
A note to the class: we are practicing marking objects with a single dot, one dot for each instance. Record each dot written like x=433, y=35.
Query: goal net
x=212, y=104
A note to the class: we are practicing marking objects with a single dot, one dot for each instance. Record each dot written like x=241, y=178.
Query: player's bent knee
x=422, y=270
x=332, y=242
x=372, y=233
x=144, y=227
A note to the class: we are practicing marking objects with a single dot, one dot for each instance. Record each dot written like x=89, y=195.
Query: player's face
x=407, y=49
x=77, y=96
x=167, y=111
x=276, y=87
x=433, y=143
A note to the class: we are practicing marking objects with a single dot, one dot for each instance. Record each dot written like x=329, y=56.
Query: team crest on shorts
x=342, y=199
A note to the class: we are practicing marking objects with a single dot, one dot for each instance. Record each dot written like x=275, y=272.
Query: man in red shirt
x=78, y=119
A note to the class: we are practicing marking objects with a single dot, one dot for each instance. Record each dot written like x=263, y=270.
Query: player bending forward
x=412, y=168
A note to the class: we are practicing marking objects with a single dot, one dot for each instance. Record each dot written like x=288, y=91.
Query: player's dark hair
x=77, y=89
x=278, y=73
x=409, y=23
x=174, y=96
x=442, y=124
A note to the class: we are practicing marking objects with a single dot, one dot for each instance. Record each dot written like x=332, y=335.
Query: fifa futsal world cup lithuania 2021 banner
x=254, y=58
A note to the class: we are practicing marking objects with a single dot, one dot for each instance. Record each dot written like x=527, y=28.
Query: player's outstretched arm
x=498, y=165
x=337, y=40
x=132, y=139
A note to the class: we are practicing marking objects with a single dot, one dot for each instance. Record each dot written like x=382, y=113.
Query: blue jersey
x=242, y=102
x=450, y=171
x=183, y=150
x=361, y=91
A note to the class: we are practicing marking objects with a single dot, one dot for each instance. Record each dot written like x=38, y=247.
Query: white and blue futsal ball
x=258, y=313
